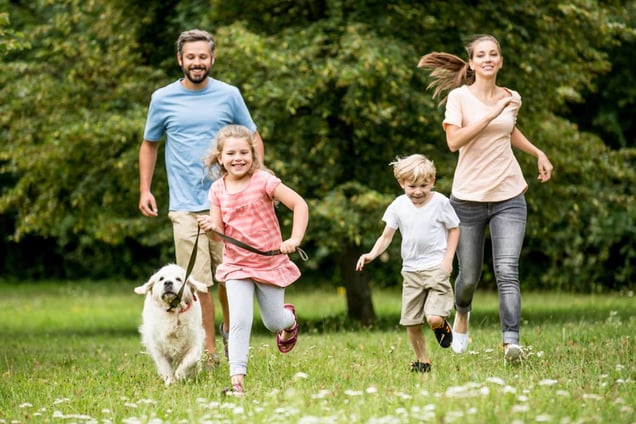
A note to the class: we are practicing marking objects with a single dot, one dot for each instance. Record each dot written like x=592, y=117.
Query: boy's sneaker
x=513, y=353
x=444, y=335
x=417, y=366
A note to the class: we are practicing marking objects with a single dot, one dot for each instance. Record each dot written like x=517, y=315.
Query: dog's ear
x=197, y=285
x=146, y=287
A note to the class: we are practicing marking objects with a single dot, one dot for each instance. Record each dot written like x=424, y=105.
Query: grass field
x=70, y=353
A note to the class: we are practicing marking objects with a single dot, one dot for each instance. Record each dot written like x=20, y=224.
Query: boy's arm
x=381, y=244
x=451, y=246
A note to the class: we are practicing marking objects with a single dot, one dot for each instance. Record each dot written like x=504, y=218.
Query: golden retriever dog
x=173, y=336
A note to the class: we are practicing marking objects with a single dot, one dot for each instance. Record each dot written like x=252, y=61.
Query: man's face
x=196, y=61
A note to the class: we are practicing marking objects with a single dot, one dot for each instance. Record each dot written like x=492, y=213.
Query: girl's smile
x=236, y=157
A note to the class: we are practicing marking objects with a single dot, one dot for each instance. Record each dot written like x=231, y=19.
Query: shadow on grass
x=481, y=318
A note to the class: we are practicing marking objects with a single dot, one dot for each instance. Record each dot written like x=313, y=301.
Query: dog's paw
x=168, y=380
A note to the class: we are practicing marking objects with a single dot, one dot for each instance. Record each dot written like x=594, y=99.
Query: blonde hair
x=449, y=71
x=211, y=159
x=414, y=168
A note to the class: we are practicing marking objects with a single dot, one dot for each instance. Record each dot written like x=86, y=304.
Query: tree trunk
x=359, y=302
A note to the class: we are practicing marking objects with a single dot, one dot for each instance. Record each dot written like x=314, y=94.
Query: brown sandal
x=287, y=345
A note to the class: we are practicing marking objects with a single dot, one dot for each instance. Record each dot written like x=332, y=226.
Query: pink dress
x=249, y=216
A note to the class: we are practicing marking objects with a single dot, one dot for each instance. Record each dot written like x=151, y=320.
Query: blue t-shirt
x=190, y=119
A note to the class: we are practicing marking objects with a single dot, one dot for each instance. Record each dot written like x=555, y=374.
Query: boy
x=430, y=231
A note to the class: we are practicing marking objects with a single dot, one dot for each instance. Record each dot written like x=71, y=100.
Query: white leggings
x=240, y=294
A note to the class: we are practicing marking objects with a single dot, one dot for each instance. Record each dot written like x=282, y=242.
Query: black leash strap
x=245, y=246
x=177, y=300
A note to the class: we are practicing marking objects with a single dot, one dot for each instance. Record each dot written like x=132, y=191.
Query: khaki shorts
x=209, y=252
x=425, y=293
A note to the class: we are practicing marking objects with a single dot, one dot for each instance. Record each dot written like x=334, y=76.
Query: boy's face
x=418, y=191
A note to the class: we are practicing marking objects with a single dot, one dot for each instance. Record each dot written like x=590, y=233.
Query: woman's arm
x=519, y=141
x=457, y=137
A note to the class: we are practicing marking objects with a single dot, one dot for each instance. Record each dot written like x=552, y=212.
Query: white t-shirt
x=487, y=170
x=424, y=230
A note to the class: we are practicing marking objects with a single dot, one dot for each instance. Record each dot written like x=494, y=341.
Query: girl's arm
x=518, y=140
x=211, y=222
x=381, y=244
x=297, y=204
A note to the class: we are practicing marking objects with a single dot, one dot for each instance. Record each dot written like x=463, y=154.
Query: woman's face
x=486, y=60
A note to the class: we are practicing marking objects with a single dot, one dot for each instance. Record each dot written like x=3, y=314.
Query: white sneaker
x=513, y=353
x=460, y=340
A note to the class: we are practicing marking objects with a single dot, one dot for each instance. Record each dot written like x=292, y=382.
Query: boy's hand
x=364, y=259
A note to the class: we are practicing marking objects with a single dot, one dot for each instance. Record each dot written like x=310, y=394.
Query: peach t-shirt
x=487, y=170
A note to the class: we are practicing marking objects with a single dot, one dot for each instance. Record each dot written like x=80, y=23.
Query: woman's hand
x=545, y=167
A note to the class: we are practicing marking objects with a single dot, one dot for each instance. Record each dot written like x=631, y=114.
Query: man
x=189, y=112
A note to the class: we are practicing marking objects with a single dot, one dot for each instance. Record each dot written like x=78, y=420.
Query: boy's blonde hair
x=415, y=168
x=211, y=159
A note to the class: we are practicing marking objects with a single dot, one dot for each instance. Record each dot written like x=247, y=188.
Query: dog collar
x=187, y=306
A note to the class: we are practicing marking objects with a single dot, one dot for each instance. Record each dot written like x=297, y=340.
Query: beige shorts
x=209, y=252
x=425, y=293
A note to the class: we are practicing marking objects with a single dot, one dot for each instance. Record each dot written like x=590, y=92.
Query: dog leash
x=252, y=249
x=177, y=300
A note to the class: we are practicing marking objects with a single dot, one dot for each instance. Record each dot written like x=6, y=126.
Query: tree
x=335, y=91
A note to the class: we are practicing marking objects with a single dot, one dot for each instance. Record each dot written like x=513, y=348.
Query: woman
x=488, y=185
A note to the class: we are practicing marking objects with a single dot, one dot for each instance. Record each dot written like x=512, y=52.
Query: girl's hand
x=289, y=246
x=205, y=223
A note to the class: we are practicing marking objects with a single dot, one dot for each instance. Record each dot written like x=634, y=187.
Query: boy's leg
x=438, y=304
x=416, y=339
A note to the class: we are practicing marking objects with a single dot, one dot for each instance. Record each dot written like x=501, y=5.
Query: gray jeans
x=240, y=296
x=507, y=223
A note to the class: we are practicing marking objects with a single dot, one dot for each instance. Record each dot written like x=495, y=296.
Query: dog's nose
x=167, y=285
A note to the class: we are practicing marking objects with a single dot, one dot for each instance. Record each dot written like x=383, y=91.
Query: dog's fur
x=173, y=338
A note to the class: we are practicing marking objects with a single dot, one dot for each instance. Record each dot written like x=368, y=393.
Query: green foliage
x=334, y=89
x=74, y=120
x=10, y=40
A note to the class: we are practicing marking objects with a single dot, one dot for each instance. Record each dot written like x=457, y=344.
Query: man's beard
x=203, y=77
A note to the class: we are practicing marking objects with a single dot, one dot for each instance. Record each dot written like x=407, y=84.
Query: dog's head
x=166, y=283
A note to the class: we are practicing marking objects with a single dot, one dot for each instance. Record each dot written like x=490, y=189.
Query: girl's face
x=236, y=157
x=487, y=59
x=418, y=191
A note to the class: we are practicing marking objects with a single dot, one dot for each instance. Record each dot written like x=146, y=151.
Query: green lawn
x=70, y=352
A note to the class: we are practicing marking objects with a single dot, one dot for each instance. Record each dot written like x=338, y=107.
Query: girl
x=488, y=186
x=242, y=207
